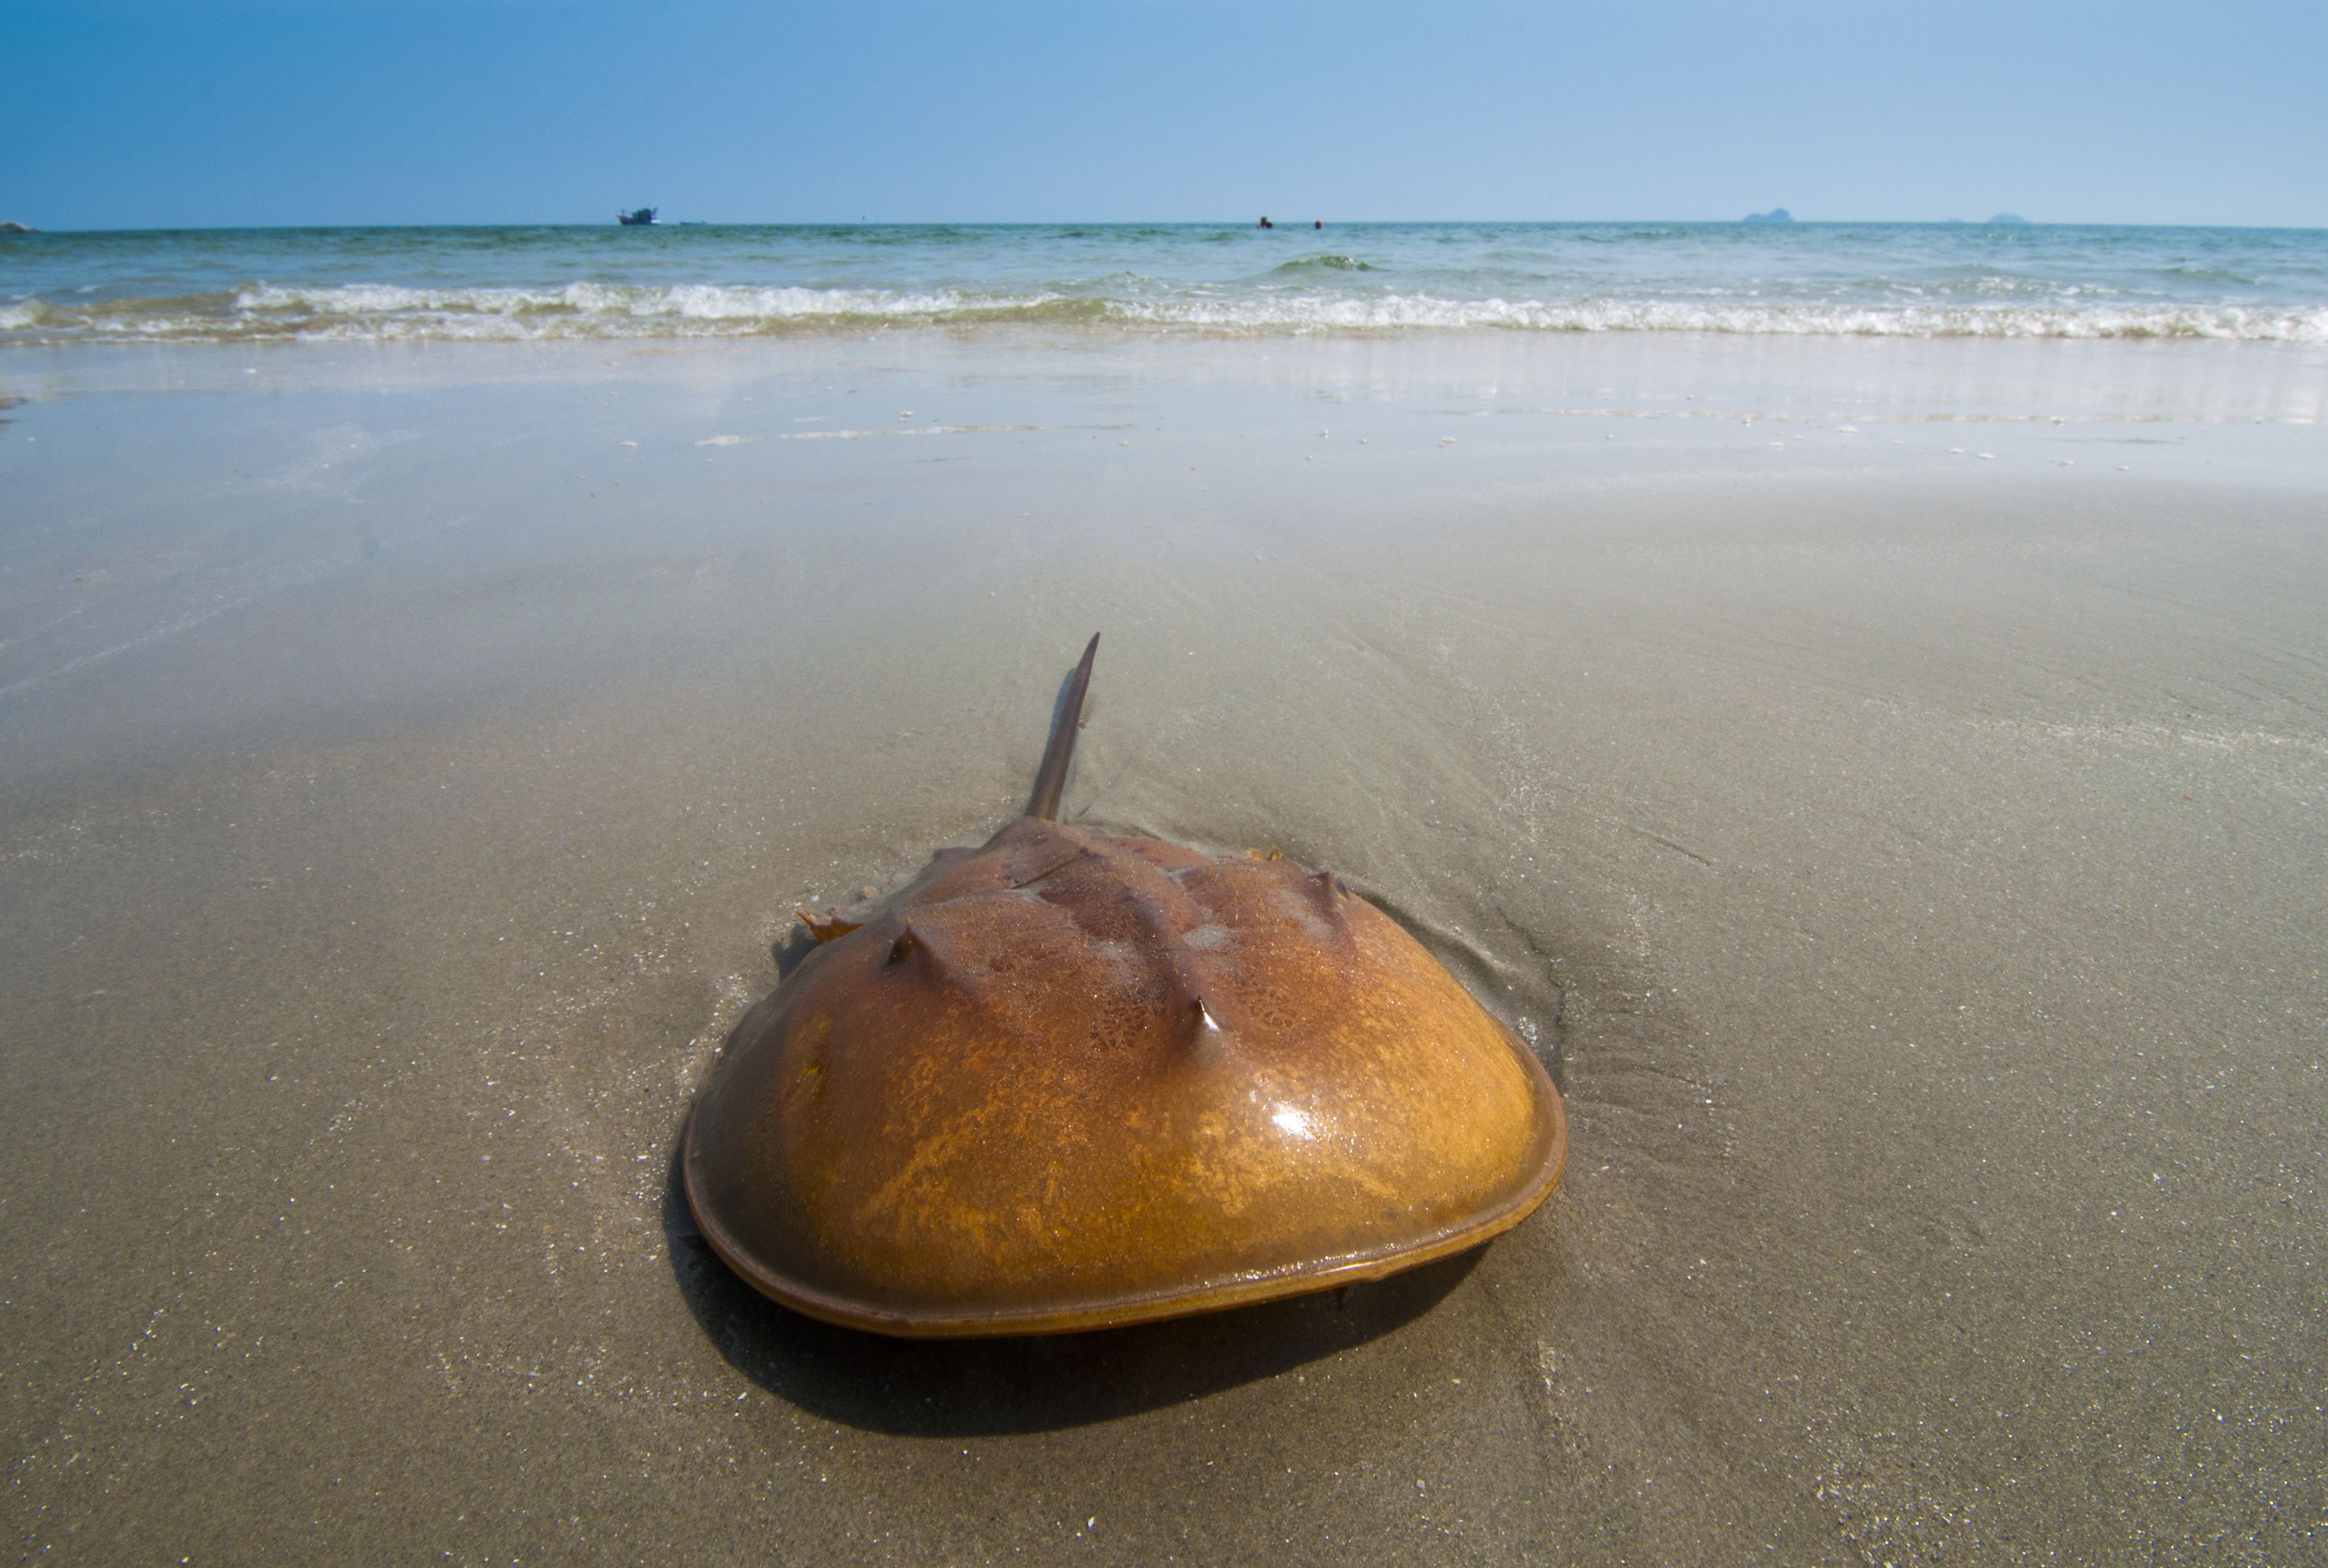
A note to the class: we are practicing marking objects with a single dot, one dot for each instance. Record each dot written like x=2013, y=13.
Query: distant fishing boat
x=644, y=215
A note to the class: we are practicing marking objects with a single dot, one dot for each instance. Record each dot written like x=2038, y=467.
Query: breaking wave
x=1315, y=264
x=390, y=313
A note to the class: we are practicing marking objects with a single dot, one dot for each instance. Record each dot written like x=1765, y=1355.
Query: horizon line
x=1301, y=225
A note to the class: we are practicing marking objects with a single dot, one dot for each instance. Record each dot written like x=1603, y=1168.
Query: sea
x=1933, y=280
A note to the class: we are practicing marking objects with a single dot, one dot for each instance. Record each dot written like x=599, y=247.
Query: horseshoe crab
x=1072, y=1080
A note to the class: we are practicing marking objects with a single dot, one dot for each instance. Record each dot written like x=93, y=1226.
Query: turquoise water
x=1908, y=280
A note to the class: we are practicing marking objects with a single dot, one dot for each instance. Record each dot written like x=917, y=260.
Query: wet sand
x=1909, y=860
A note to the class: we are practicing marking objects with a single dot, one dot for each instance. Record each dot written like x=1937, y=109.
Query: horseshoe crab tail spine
x=1051, y=778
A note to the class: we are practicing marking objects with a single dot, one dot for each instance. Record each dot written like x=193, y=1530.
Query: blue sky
x=133, y=113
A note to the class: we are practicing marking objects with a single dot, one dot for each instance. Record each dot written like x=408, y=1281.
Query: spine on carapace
x=1051, y=778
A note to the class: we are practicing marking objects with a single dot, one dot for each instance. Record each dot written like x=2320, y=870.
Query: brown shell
x=1072, y=1080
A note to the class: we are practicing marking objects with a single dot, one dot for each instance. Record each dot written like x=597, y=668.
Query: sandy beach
x=1885, y=778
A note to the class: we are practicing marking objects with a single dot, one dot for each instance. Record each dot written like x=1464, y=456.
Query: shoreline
x=1949, y=378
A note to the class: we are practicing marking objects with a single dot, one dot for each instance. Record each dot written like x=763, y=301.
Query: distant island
x=2010, y=220
x=1775, y=215
x=13, y=227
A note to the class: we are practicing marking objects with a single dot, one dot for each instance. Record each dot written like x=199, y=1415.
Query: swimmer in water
x=1265, y=223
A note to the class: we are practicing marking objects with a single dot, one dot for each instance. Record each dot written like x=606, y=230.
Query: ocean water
x=699, y=281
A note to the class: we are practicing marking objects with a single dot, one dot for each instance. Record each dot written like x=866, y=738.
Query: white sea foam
x=388, y=312
x=1390, y=313
x=385, y=312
